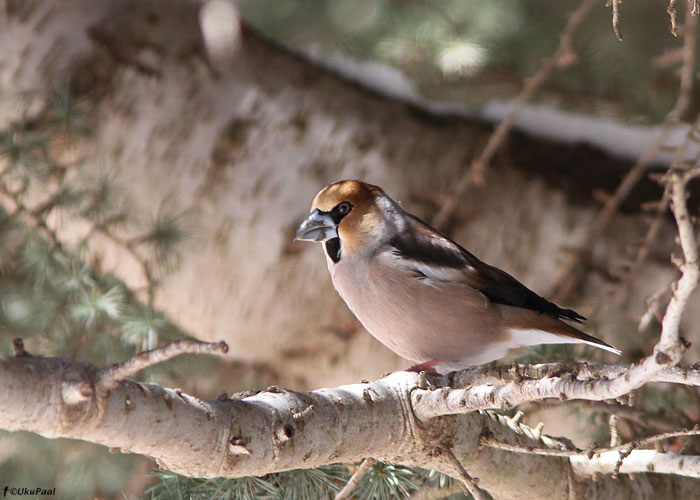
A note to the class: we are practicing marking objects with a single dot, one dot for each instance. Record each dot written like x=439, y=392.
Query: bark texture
x=278, y=429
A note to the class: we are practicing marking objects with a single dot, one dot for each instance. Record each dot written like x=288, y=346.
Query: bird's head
x=346, y=213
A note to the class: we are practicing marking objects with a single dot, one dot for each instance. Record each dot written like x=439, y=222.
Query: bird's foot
x=427, y=367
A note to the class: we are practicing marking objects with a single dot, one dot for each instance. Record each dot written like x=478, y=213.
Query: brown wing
x=436, y=256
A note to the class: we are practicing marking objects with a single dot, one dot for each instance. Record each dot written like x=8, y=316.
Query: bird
x=421, y=294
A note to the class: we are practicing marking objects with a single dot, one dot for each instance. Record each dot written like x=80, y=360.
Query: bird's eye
x=344, y=208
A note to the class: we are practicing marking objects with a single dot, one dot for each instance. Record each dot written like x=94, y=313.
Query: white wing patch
x=433, y=272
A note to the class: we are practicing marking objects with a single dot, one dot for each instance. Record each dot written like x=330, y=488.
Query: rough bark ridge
x=243, y=153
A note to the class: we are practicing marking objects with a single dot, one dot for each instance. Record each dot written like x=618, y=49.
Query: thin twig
x=469, y=483
x=563, y=56
x=110, y=376
x=616, y=18
x=493, y=443
x=645, y=419
x=672, y=14
x=649, y=239
x=662, y=205
x=352, y=483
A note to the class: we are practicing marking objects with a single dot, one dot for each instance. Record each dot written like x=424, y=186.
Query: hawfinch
x=422, y=295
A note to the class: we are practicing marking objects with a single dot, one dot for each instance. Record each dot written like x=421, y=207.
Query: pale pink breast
x=418, y=319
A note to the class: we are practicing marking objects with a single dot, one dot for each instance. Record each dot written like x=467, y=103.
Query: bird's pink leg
x=428, y=367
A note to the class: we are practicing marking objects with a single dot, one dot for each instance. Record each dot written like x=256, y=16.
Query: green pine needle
x=23, y=150
x=386, y=481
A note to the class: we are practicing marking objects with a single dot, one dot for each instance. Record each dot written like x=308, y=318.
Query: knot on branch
x=663, y=359
x=77, y=392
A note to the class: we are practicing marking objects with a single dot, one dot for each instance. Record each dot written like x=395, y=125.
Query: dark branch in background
x=34, y=216
x=571, y=273
x=468, y=483
x=354, y=481
x=130, y=247
x=563, y=56
x=18, y=348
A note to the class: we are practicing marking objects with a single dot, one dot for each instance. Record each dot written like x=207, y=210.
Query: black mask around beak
x=318, y=226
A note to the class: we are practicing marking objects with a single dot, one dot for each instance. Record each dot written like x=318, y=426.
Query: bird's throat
x=332, y=248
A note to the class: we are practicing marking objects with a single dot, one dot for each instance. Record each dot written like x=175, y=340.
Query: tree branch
x=553, y=452
x=516, y=372
x=279, y=430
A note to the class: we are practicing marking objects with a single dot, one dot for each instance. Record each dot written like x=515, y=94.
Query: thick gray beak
x=318, y=226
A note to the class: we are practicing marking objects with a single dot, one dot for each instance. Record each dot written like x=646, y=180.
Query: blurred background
x=150, y=188
x=473, y=52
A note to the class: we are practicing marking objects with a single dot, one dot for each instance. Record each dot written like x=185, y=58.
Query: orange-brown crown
x=356, y=192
